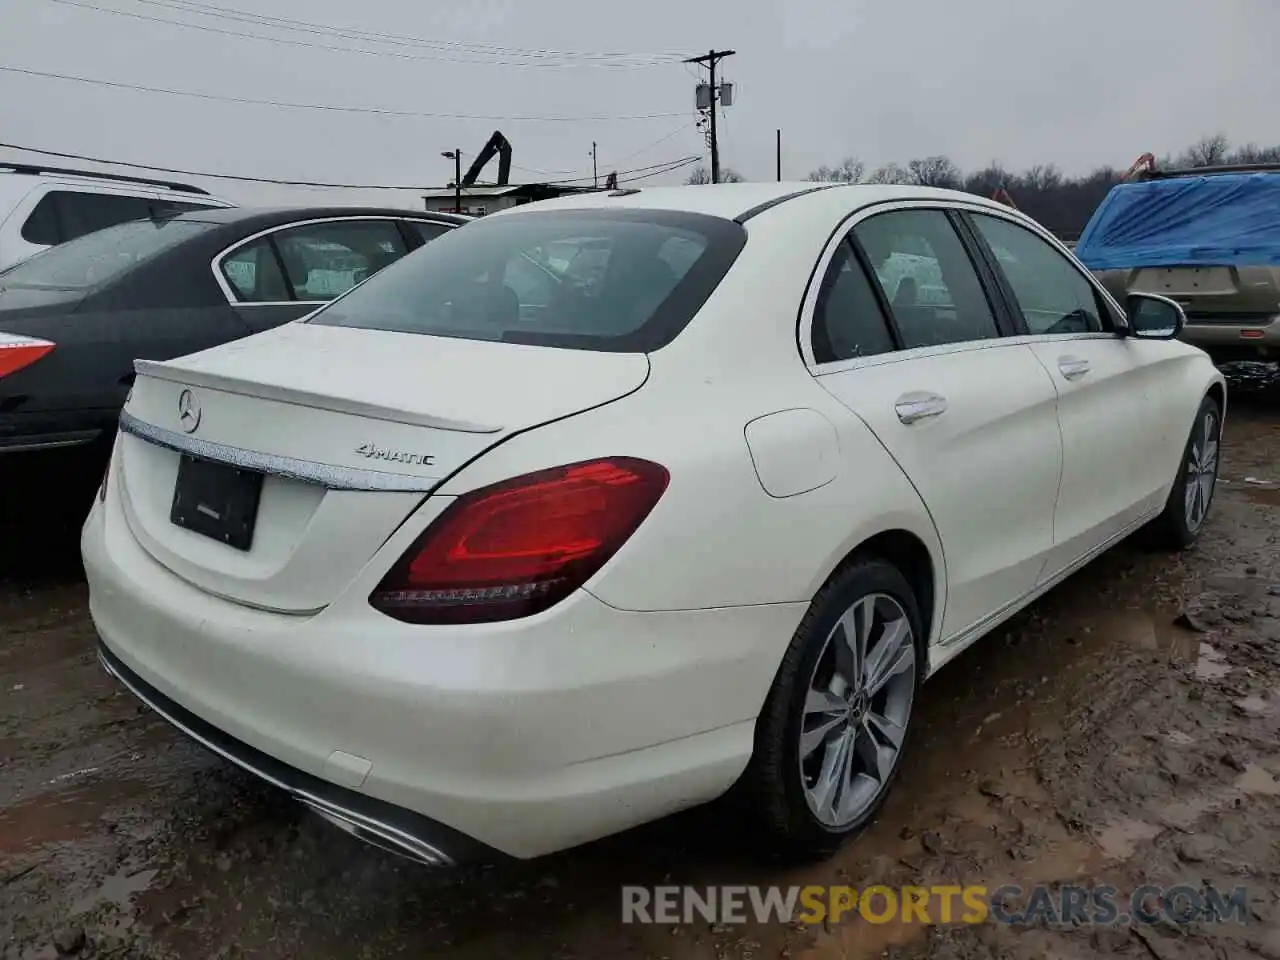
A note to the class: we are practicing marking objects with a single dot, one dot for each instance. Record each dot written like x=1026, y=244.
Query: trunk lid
x=348, y=428
x=1208, y=294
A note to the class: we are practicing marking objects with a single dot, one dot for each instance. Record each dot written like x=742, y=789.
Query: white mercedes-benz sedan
x=595, y=509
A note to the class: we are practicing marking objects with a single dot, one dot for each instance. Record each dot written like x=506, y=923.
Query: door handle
x=918, y=405
x=1072, y=367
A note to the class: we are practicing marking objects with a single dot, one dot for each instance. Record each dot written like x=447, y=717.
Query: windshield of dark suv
x=89, y=261
x=622, y=280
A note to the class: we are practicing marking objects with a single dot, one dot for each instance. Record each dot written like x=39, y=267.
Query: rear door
x=1116, y=429
x=287, y=272
x=906, y=336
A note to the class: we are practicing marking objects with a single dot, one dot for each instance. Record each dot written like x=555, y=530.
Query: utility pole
x=779, y=155
x=709, y=60
x=595, y=177
x=456, y=157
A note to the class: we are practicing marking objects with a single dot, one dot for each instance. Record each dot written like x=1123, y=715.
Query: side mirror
x=1153, y=317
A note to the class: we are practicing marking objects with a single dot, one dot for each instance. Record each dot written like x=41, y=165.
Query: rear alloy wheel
x=832, y=734
x=1188, y=505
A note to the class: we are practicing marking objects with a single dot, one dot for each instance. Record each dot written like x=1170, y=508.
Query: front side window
x=594, y=280
x=1053, y=295
x=324, y=260
x=95, y=258
x=926, y=275
x=848, y=321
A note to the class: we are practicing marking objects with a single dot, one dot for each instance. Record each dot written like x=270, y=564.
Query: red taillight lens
x=18, y=352
x=520, y=546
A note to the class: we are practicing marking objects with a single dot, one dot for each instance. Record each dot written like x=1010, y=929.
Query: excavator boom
x=496, y=145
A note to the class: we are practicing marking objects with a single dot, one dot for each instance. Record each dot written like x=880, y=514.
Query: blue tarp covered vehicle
x=1210, y=240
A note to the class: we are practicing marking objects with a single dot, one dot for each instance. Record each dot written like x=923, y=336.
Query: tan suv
x=1209, y=238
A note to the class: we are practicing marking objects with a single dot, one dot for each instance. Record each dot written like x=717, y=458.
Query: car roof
x=263, y=218
x=742, y=201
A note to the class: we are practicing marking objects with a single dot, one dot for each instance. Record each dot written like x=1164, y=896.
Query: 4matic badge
x=374, y=452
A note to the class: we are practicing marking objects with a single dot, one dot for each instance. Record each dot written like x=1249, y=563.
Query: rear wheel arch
x=912, y=558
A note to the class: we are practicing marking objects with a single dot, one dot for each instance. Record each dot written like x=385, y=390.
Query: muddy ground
x=1093, y=739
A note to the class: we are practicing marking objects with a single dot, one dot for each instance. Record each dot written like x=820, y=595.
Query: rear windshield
x=592, y=280
x=95, y=258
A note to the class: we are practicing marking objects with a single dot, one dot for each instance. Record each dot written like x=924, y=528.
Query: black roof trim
x=39, y=168
x=760, y=208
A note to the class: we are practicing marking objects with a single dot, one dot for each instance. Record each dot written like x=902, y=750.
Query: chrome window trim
x=270, y=464
x=856, y=216
x=227, y=291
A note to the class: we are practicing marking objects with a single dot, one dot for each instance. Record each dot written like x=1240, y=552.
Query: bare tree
x=1063, y=204
x=889, y=173
x=849, y=170
x=701, y=174
x=934, y=172
x=1252, y=153
x=1208, y=152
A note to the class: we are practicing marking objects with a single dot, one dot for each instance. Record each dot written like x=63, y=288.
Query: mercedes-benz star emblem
x=188, y=411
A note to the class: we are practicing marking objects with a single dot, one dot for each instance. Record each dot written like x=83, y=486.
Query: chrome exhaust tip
x=380, y=836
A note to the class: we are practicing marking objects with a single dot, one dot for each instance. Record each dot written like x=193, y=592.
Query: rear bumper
x=380, y=824
x=525, y=737
x=1229, y=341
x=28, y=432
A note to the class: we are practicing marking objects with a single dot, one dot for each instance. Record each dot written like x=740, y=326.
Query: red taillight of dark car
x=19, y=352
x=518, y=547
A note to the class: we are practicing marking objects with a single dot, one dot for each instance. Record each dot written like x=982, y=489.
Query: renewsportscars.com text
x=1010, y=904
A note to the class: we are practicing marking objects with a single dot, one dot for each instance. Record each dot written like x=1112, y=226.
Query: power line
x=653, y=168
x=360, y=50
x=652, y=171
x=379, y=111
x=306, y=26
x=615, y=163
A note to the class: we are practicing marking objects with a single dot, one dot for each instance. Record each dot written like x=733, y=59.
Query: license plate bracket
x=216, y=500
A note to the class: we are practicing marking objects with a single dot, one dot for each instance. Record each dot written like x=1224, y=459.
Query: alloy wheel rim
x=857, y=707
x=1202, y=471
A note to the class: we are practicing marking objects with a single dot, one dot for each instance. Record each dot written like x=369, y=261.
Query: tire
x=780, y=786
x=1180, y=524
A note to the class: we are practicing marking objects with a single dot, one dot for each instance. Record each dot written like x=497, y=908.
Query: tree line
x=1062, y=203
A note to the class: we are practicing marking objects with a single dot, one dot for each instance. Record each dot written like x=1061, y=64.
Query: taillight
x=520, y=546
x=18, y=352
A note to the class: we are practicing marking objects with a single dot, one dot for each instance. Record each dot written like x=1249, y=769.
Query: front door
x=1115, y=430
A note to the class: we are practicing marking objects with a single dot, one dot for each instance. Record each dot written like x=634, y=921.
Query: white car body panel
x=638, y=694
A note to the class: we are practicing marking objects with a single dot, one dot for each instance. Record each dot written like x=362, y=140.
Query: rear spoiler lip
x=160, y=370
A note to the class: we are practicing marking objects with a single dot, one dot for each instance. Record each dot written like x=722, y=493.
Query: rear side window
x=80, y=213
x=42, y=225
x=927, y=277
x=1053, y=295
x=595, y=280
x=92, y=260
x=848, y=321
x=254, y=274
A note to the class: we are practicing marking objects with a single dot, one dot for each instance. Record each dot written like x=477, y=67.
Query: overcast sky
x=1079, y=84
